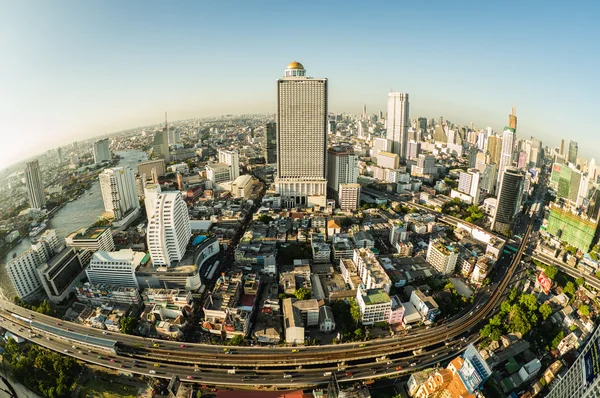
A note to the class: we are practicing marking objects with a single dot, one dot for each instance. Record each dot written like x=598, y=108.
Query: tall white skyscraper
x=301, y=138
x=101, y=151
x=35, y=186
x=398, y=123
x=506, y=155
x=168, y=229
x=231, y=158
x=118, y=191
x=468, y=183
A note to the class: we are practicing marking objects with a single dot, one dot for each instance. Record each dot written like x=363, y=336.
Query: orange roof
x=332, y=224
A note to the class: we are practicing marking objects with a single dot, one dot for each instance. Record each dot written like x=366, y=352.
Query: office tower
x=494, y=147
x=593, y=170
x=301, y=138
x=59, y=273
x=118, y=191
x=380, y=144
x=101, y=151
x=561, y=148
x=398, y=123
x=512, y=119
x=35, y=186
x=270, y=143
x=506, y=156
x=22, y=270
x=361, y=130
x=160, y=146
x=573, y=152
x=535, y=153
x=349, y=196
x=566, y=180
x=488, y=178
x=510, y=194
x=468, y=183
x=425, y=167
x=168, y=229
x=522, y=160
x=364, y=112
x=342, y=168
x=114, y=268
x=581, y=380
x=152, y=168
x=232, y=159
x=593, y=209
x=218, y=172
x=59, y=154
x=422, y=124
x=481, y=160
x=472, y=154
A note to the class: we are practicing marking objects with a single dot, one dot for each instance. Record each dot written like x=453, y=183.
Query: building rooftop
x=123, y=255
x=375, y=296
x=88, y=233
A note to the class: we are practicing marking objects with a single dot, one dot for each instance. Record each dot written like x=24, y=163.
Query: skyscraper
x=160, y=146
x=270, y=143
x=494, y=147
x=561, y=148
x=398, y=123
x=506, y=156
x=342, y=168
x=168, y=229
x=301, y=138
x=101, y=151
x=35, y=186
x=232, y=159
x=119, y=191
x=468, y=183
x=510, y=195
x=573, y=149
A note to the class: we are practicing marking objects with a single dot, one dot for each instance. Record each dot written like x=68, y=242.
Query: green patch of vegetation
x=45, y=372
x=469, y=213
x=128, y=324
x=303, y=293
x=43, y=308
x=236, y=340
x=100, y=388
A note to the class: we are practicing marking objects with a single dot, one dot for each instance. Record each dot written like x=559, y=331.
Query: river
x=77, y=214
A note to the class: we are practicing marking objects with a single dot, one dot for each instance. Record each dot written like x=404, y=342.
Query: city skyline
x=70, y=78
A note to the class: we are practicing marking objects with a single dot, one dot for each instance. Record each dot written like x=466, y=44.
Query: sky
x=71, y=70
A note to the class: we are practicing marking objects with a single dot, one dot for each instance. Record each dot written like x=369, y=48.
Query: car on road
x=104, y=332
x=66, y=351
x=157, y=365
x=362, y=345
x=155, y=345
x=326, y=374
x=398, y=367
x=413, y=364
x=182, y=346
x=152, y=372
x=287, y=376
x=190, y=377
x=69, y=330
x=296, y=350
x=57, y=324
x=100, y=357
x=348, y=373
x=112, y=360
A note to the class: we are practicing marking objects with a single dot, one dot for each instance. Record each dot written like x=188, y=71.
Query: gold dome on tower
x=295, y=65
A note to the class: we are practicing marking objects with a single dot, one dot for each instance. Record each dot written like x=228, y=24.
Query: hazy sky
x=70, y=70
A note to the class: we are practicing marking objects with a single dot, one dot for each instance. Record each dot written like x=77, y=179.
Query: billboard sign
x=544, y=282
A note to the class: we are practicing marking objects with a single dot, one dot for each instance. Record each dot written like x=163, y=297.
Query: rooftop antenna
x=513, y=111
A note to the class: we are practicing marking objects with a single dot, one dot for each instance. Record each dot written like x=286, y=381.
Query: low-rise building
x=375, y=305
x=326, y=320
x=292, y=322
x=397, y=311
x=321, y=251
x=106, y=294
x=442, y=256
x=114, y=268
x=370, y=271
x=164, y=297
x=364, y=240
x=426, y=305
x=242, y=187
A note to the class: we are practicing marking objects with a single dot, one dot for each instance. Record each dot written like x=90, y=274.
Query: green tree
x=128, y=324
x=236, y=340
x=346, y=222
x=597, y=274
x=584, y=310
x=513, y=294
x=529, y=301
x=354, y=310
x=569, y=288
x=199, y=394
x=545, y=310
x=45, y=308
x=303, y=293
x=359, y=334
x=550, y=271
x=556, y=341
x=579, y=282
x=518, y=321
x=265, y=219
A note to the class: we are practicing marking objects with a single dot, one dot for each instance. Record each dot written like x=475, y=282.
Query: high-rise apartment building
x=510, y=195
x=270, y=143
x=35, y=186
x=93, y=239
x=380, y=145
x=342, y=168
x=118, y=191
x=573, y=149
x=561, y=148
x=232, y=159
x=398, y=123
x=349, y=196
x=160, y=146
x=413, y=150
x=101, y=151
x=568, y=183
x=468, y=183
x=22, y=270
x=506, y=156
x=301, y=138
x=152, y=168
x=168, y=230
